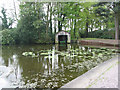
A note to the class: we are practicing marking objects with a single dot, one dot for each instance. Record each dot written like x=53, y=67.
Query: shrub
x=105, y=34
x=8, y=36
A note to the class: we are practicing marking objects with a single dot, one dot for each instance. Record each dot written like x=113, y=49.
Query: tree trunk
x=59, y=16
x=116, y=26
x=91, y=28
x=59, y=23
x=86, y=31
x=50, y=18
x=47, y=25
x=55, y=27
x=74, y=28
x=15, y=10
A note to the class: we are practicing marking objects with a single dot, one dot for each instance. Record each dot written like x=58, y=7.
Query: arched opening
x=62, y=39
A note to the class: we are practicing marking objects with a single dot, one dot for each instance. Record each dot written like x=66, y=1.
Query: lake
x=48, y=66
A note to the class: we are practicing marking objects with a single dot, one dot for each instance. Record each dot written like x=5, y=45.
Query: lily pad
x=45, y=53
x=29, y=54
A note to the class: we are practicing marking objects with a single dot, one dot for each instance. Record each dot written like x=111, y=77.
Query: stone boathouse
x=62, y=37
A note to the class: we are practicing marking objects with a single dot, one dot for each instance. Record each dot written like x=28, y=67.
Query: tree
x=115, y=7
x=6, y=22
x=34, y=23
x=15, y=10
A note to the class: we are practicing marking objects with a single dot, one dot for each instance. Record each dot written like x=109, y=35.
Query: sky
x=9, y=6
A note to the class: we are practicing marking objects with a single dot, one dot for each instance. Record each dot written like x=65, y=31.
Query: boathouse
x=62, y=37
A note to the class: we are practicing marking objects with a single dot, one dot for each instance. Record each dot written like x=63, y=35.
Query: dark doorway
x=62, y=39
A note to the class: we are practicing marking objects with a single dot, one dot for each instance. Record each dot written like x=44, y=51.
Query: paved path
x=107, y=80
x=104, y=75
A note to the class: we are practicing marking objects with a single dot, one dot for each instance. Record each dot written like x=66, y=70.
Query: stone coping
x=90, y=77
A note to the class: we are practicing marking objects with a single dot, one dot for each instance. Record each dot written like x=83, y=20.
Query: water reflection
x=62, y=64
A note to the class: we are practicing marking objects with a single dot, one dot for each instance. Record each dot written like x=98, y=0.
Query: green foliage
x=4, y=19
x=82, y=20
x=108, y=9
x=105, y=34
x=6, y=22
x=8, y=36
x=31, y=26
x=26, y=30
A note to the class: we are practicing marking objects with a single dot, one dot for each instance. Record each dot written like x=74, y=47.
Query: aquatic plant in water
x=29, y=54
x=78, y=61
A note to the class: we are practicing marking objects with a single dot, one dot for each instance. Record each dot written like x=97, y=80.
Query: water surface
x=51, y=66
